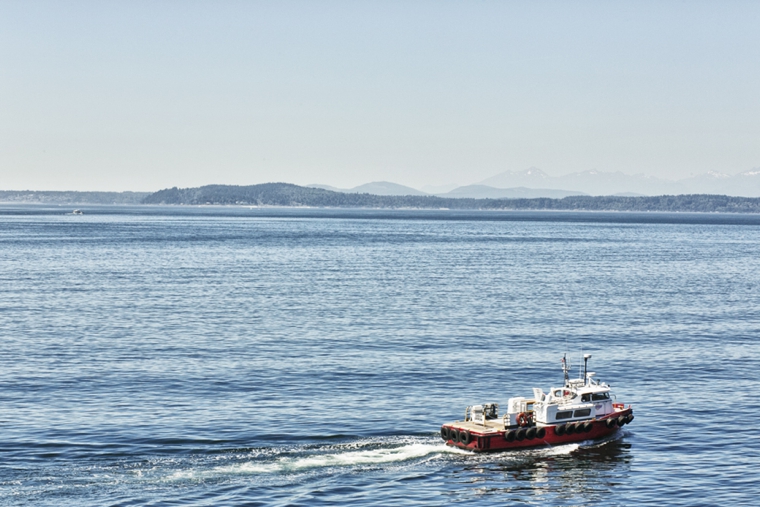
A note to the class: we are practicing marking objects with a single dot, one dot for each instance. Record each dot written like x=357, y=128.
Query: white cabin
x=578, y=400
x=575, y=401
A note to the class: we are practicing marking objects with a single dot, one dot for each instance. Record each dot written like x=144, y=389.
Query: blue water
x=235, y=356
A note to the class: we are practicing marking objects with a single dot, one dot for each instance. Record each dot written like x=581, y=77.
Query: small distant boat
x=77, y=212
x=583, y=409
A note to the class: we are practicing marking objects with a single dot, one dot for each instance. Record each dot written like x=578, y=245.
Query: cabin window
x=586, y=398
x=564, y=415
x=600, y=396
x=583, y=413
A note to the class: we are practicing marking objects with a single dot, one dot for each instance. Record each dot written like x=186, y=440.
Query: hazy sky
x=133, y=95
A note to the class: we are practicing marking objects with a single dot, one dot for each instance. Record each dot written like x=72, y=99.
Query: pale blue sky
x=137, y=95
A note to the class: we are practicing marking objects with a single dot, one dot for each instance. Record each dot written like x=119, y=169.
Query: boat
x=77, y=212
x=582, y=409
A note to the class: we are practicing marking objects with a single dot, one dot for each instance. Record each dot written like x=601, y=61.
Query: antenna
x=579, y=364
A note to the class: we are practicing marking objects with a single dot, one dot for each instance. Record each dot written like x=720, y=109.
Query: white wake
x=336, y=458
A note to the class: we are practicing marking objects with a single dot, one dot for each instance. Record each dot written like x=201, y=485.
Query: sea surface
x=222, y=356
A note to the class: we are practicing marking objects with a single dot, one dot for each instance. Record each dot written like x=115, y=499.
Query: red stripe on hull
x=490, y=442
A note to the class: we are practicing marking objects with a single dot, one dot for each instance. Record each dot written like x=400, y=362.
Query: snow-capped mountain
x=746, y=184
x=529, y=178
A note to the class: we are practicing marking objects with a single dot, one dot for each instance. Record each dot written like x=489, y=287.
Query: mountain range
x=374, y=188
x=467, y=191
x=745, y=184
x=534, y=183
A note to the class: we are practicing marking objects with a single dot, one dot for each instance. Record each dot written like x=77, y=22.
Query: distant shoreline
x=70, y=197
x=294, y=196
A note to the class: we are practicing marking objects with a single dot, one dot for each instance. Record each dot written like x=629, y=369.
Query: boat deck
x=491, y=426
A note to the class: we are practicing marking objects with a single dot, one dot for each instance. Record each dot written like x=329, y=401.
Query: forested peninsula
x=286, y=194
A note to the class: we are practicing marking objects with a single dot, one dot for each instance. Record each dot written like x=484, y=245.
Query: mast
x=565, y=368
x=586, y=357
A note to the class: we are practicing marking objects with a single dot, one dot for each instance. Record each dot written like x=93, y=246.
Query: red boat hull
x=490, y=441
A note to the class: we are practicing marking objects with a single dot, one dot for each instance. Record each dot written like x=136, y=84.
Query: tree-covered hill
x=286, y=194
